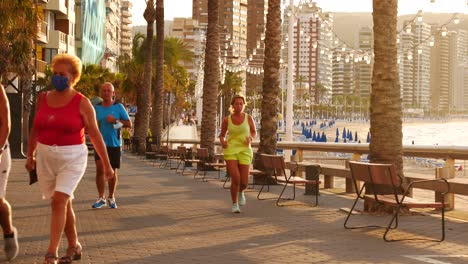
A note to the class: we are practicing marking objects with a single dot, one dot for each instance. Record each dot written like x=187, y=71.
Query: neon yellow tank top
x=237, y=135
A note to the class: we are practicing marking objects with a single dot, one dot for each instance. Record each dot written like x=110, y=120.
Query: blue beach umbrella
x=336, y=139
x=337, y=132
x=355, y=136
x=344, y=132
x=368, y=137
x=324, y=137
x=314, y=137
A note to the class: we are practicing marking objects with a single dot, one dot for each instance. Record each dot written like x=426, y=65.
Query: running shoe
x=111, y=203
x=11, y=245
x=235, y=208
x=100, y=202
x=242, y=200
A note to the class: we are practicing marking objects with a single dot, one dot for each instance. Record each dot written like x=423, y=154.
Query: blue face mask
x=59, y=82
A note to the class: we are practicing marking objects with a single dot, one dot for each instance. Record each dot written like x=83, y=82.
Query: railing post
x=446, y=172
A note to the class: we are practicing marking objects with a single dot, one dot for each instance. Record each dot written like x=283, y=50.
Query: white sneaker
x=235, y=208
x=11, y=245
x=241, y=198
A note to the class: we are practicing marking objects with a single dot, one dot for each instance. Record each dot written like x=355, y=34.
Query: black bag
x=32, y=176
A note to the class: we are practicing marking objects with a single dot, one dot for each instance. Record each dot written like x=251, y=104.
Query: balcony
x=57, y=40
x=41, y=68
x=57, y=6
x=42, y=31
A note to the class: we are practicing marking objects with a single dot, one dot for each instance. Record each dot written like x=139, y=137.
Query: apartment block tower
x=58, y=28
x=91, y=42
x=256, y=24
x=365, y=64
x=232, y=30
x=189, y=31
x=126, y=27
x=415, y=65
x=448, y=61
x=313, y=52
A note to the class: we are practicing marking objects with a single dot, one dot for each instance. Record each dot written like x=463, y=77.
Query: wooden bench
x=276, y=164
x=373, y=176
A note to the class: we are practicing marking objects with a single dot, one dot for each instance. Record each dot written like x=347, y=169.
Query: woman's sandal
x=72, y=254
x=50, y=259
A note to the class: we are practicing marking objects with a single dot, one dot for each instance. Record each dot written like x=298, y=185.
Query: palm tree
x=158, y=99
x=144, y=92
x=211, y=79
x=270, y=89
x=18, y=30
x=385, y=110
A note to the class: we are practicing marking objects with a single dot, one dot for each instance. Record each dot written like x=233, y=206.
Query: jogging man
x=111, y=117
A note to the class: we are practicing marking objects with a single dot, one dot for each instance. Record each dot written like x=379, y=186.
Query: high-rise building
x=90, y=30
x=113, y=31
x=232, y=31
x=448, y=58
x=415, y=62
x=422, y=65
x=189, y=31
x=313, y=52
x=60, y=19
x=126, y=27
x=365, y=65
x=256, y=24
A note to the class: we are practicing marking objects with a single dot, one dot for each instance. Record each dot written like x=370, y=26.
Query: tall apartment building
x=126, y=27
x=113, y=32
x=58, y=18
x=256, y=24
x=415, y=65
x=422, y=65
x=448, y=58
x=189, y=31
x=364, y=67
x=343, y=73
x=90, y=30
x=458, y=42
x=465, y=84
x=232, y=30
x=313, y=52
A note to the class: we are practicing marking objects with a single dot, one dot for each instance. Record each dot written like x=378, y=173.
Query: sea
x=453, y=133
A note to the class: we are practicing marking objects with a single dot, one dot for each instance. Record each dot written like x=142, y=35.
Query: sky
x=183, y=8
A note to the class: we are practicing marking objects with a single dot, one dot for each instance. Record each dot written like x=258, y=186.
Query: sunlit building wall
x=60, y=18
x=90, y=30
x=126, y=27
x=113, y=32
x=364, y=67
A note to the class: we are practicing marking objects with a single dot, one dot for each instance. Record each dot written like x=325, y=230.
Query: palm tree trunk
x=385, y=111
x=270, y=89
x=144, y=92
x=158, y=101
x=211, y=79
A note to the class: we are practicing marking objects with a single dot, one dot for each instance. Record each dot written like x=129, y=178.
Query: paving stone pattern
x=164, y=217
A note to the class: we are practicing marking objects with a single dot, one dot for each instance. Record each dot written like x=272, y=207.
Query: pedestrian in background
x=111, y=117
x=58, y=152
x=10, y=234
x=238, y=154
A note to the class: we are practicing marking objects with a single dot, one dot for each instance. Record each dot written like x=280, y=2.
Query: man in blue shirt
x=111, y=116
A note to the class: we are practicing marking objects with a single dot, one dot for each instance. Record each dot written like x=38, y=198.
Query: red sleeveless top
x=61, y=126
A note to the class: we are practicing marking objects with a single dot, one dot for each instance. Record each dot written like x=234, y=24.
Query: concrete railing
x=447, y=153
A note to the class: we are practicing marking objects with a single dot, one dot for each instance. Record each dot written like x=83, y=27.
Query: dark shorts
x=114, y=153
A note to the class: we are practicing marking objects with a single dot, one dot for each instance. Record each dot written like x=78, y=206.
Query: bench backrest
x=375, y=173
x=274, y=163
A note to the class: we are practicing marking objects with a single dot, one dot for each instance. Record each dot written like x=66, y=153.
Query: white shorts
x=5, y=166
x=60, y=168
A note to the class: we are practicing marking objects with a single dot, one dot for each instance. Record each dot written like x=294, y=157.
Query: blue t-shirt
x=110, y=135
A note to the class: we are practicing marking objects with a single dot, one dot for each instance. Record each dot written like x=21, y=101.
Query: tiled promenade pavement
x=164, y=217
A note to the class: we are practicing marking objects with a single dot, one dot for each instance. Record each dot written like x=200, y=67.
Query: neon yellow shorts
x=244, y=157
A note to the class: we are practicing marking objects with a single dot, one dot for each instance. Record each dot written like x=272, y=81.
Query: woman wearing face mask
x=58, y=152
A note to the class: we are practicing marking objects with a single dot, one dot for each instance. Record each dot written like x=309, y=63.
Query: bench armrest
x=426, y=181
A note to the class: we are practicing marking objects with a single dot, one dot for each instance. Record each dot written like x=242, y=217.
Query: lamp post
x=290, y=80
